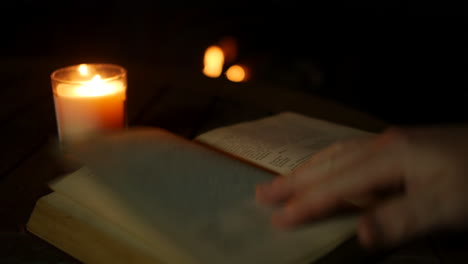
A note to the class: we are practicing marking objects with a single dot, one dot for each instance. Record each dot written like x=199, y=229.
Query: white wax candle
x=88, y=108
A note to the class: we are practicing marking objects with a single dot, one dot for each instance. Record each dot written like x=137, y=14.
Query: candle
x=89, y=99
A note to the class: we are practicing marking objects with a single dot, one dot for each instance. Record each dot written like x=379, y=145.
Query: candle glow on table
x=89, y=99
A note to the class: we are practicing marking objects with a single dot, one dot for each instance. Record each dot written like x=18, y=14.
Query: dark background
x=402, y=61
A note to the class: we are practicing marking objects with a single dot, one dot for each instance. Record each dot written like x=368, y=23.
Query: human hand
x=426, y=170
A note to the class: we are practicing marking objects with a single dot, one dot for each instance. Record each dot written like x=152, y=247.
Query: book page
x=84, y=235
x=279, y=143
x=191, y=204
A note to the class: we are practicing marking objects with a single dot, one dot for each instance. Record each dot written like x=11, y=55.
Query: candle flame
x=213, y=61
x=97, y=78
x=237, y=73
x=95, y=87
x=83, y=69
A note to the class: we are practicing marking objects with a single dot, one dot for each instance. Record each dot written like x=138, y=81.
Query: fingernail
x=278, y=186
x=262, y=193
x=283, y=218
x=277, y=182
x=369, y=233
x=364, y=236
x=271, y=187
x=260, y=188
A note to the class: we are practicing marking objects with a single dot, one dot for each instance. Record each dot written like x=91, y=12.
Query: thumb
x=394, y=221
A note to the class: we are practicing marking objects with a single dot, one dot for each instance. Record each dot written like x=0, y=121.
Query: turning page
x=190, y=204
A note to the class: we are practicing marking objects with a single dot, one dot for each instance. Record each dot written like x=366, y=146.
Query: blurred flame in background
x=225, y=52
x=237, y=73
x=213, y=62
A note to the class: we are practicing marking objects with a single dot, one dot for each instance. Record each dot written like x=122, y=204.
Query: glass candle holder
x=89, y=99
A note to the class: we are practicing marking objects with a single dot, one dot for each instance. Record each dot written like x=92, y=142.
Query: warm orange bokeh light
x=83, y=69
x=237, y=73
x=213, y=62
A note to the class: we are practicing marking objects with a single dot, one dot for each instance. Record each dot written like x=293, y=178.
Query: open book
x=148, y=196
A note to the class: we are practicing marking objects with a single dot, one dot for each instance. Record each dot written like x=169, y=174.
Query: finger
x=338, y=148
x=327, y=196
x=335, y=157
x=395, y=221
x=294, y=214
x=330, y=162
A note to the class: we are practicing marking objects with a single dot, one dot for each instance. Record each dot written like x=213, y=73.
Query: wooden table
x=180, y=100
